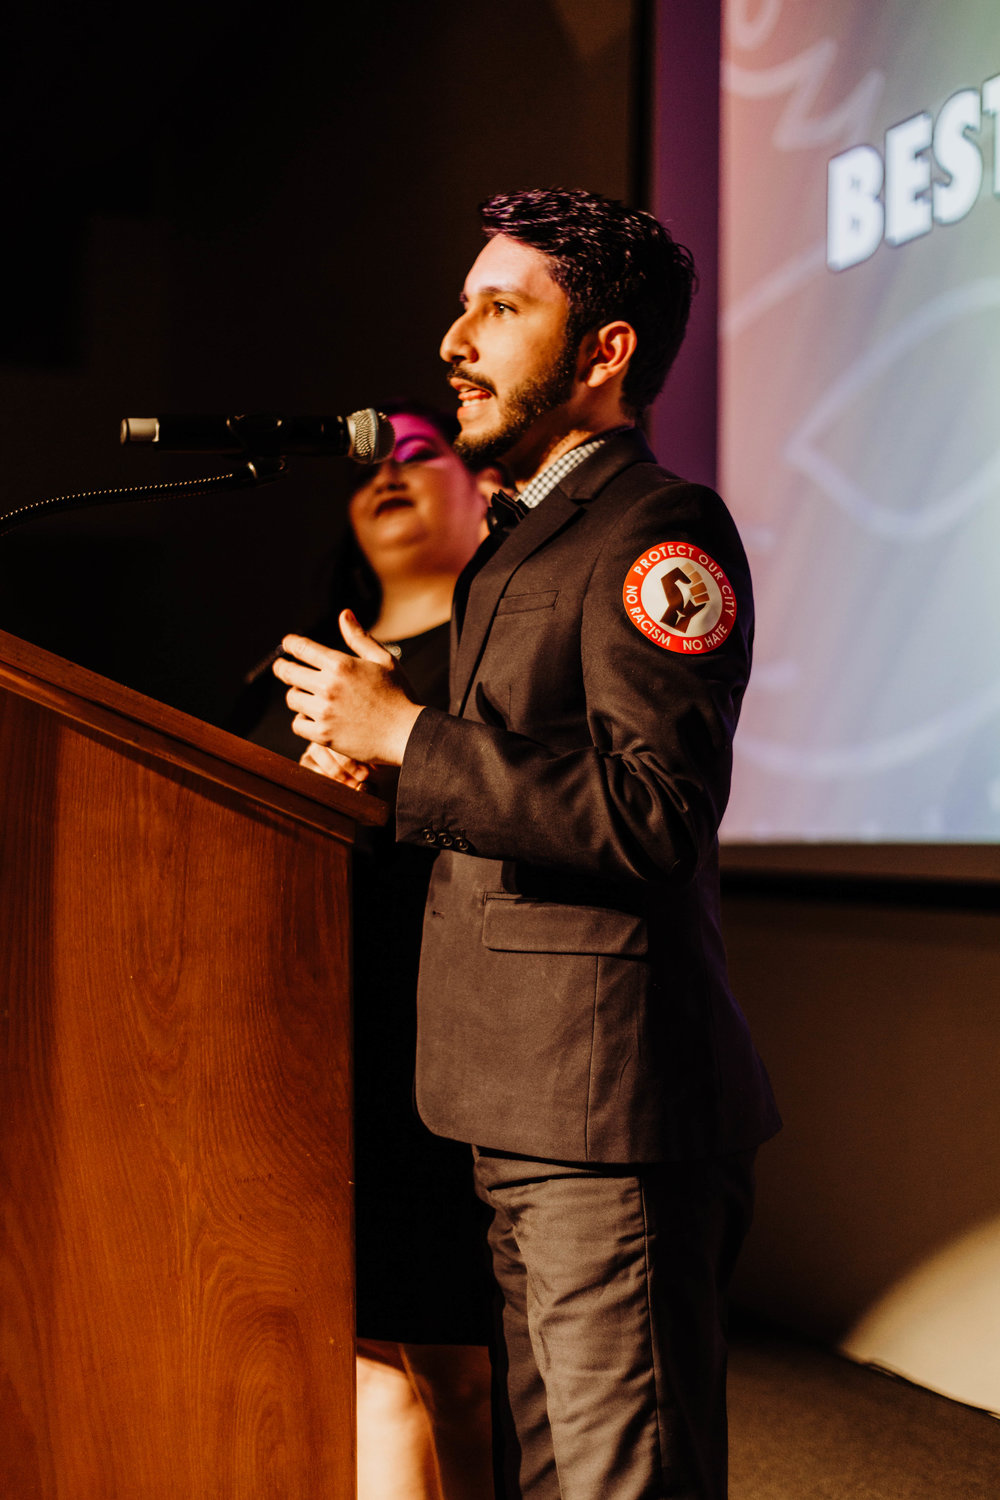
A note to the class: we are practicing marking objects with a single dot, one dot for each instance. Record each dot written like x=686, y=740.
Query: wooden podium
x=176, y=1256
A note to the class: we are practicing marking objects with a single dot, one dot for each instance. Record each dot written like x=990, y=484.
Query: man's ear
x=605, y=352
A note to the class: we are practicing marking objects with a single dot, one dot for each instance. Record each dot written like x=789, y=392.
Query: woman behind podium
x=422, y=1274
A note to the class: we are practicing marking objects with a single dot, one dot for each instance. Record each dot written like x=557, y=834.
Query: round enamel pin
x=680, y=598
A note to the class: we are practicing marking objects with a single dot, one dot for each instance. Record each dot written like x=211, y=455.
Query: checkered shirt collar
x=554, y=473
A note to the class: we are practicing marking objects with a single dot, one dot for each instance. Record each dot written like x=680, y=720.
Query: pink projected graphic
x=860, y=413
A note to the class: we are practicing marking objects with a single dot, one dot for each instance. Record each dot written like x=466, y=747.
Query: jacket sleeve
x=642, y=793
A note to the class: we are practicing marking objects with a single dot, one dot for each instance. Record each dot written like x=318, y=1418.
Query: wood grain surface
x=176, y=1305
x=166, y=733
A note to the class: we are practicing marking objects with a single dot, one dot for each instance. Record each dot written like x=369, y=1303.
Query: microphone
x=366, y=436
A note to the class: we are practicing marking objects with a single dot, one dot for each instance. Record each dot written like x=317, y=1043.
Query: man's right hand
x=350, y=773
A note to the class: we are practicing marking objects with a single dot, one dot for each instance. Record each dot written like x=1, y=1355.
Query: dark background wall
x=207, y=212
x=877, y=1007
x=213, y=212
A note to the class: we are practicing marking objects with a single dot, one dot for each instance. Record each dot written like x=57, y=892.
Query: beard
x=519, y=411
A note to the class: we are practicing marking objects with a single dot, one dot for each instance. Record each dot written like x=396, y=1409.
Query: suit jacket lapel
x=480, y=587
x=492, y=578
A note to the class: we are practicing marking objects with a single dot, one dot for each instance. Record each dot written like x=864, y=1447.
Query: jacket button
x=428, y=835
x=445, y=840
x=461, y=844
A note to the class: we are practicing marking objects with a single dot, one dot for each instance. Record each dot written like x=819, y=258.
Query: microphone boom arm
x=255, y=471
x=263, y=441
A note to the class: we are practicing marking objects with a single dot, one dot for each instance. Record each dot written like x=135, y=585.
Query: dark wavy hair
x=612, y=262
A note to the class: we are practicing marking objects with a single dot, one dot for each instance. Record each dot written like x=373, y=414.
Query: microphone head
x=372, y=436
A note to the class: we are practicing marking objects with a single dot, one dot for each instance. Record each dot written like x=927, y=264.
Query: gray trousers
x=611, y=1372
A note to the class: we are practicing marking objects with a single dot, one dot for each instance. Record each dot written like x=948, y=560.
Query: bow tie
x=504, y=512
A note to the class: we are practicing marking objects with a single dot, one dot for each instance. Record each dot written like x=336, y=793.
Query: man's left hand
x=358, y=705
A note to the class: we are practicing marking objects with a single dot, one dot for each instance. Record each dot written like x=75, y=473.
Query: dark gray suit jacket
x=573, y=1000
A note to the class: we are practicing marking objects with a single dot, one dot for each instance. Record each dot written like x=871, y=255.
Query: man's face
x=510, y=364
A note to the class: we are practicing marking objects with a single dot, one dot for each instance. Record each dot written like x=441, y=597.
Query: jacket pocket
x=513, y=925
x=511, y=604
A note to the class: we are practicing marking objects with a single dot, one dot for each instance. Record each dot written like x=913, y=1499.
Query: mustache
x=458, y=372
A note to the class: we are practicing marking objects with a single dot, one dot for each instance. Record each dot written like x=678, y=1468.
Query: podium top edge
x=110, y=707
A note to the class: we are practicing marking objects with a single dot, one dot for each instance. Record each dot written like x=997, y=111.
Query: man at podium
x=576, y=1025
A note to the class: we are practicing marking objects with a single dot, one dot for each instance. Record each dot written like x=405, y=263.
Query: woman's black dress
x=422, y=1271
